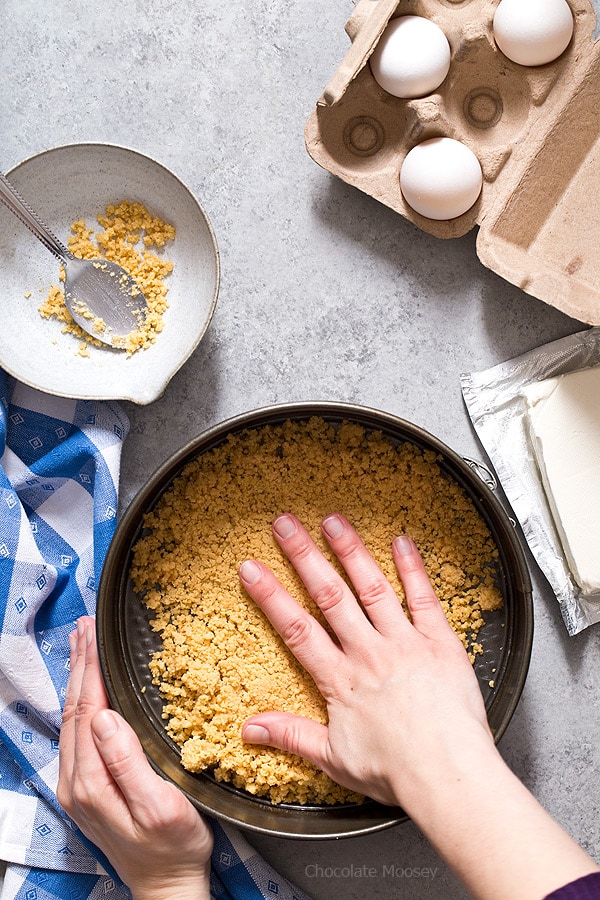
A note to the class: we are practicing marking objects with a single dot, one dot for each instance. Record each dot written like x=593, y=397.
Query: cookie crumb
x=221, y=660
x=128, y=234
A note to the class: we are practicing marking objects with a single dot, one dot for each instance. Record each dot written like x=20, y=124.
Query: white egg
x=533, y=32
x=412, y=57
x=441, y=178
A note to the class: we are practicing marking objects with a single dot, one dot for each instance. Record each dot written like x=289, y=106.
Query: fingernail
x=333, y=526
x=256, y=734
x=89, y=635
x=284, y=527
x=104, y=725
x=403, y=545
x=250, y=572
x=80, y=628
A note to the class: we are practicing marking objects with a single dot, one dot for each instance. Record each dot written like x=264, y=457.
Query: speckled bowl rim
x=118, y=665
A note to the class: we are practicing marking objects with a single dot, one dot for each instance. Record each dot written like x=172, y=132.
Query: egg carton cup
x=535, y=131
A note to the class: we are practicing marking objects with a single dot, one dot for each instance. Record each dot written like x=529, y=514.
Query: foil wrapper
x=498, y=411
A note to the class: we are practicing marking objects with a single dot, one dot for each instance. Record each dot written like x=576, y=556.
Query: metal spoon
x=101, y=296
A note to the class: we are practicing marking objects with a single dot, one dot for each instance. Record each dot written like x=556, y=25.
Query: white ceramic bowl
x=78, y=182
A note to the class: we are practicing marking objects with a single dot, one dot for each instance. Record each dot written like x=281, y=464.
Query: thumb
x=297, y=735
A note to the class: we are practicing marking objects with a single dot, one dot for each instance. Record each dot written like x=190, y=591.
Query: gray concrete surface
x=325, y=295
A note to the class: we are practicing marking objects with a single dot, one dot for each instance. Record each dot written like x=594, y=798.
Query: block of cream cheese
x=564, y=424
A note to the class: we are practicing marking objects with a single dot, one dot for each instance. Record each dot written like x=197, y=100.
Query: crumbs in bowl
x=130, y=237
x=221, y=660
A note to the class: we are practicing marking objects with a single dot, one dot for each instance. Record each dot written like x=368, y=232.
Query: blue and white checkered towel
x=58, y=506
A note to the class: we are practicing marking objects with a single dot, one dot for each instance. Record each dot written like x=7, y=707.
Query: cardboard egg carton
x=535, y=131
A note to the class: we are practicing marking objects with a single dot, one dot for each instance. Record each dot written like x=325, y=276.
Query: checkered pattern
x=58, y=505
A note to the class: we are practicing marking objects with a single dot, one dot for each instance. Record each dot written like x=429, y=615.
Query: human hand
x=158, y=843
x=402, y=697
x=406, y=719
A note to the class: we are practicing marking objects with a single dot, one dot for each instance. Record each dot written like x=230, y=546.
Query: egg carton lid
x=539, y=210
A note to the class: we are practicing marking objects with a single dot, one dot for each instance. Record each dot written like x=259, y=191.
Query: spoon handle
x=11, y=198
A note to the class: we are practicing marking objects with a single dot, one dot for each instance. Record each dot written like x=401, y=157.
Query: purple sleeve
x=586, y=888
